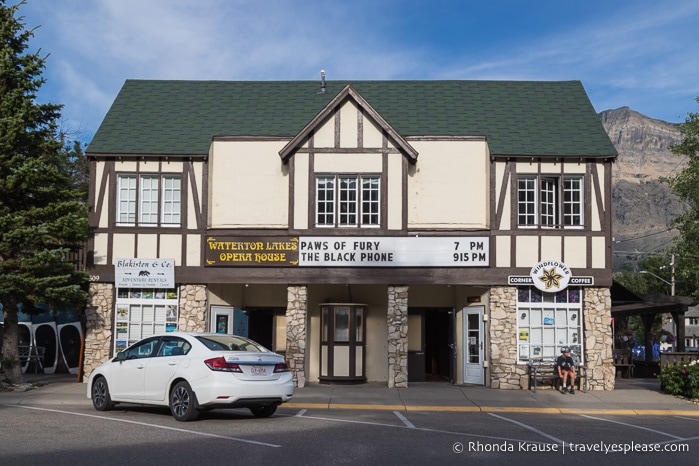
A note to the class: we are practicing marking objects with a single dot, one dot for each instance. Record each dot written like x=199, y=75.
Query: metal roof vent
x=323, y=89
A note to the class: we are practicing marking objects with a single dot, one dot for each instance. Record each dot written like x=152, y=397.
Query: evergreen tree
x=686, y=186
x=43, y=216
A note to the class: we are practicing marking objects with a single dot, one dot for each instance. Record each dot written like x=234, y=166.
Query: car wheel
x=183, y=402
x=101, y=399
x=264, y=411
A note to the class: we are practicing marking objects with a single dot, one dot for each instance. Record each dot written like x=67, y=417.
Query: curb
x=494, y=409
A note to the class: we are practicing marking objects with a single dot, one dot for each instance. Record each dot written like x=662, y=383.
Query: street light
x=672, y=279
x=661, y=279
x=671, y=283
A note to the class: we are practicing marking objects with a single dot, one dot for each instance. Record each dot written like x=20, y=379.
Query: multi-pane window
x=546, y=322
x=550, y=201
x=142, y=312
x=348, y=200
x=149, y=199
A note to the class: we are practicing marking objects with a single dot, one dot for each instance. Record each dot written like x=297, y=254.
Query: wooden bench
x=623, y=362
x=544, y=371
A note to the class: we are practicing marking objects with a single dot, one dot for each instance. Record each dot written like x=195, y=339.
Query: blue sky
x=636, y=53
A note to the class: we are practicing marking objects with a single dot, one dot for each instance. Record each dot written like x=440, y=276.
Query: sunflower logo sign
x=550, y=276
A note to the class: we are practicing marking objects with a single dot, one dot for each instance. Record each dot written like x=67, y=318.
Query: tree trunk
x=10, y=345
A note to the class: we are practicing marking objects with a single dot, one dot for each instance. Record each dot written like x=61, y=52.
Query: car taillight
x=282, y=367
x=220, y=364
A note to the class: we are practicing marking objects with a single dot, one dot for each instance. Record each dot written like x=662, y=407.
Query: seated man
x=566, y=369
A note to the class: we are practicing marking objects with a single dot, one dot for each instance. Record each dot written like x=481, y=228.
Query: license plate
x=258, y=370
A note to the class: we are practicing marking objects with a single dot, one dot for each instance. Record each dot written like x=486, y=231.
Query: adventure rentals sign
x=144, y=273
x=347, y=251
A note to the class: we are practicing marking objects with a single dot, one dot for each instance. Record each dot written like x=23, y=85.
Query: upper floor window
x=550, y=201
x=149, y=200
x=348, y=201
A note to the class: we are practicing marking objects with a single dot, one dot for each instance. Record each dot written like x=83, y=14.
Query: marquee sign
x=347, y=251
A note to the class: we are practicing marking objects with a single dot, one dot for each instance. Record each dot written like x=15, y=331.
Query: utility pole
x=672, y=274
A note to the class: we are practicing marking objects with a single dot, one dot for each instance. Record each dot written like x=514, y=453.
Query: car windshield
x=230, y=343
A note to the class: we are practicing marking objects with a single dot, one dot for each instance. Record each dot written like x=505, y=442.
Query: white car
x=191, y=372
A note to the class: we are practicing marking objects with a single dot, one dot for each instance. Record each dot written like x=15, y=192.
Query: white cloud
x=637, y=50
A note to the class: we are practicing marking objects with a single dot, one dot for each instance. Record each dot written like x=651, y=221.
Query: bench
x=32, y=354
x=623, y=362
x=544, y=371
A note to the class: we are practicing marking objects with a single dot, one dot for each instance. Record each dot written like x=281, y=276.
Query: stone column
x=597, y=309
x=296, y=318
x=505, y=372
x=397, y=316
x=192, y=308
x=99, y=315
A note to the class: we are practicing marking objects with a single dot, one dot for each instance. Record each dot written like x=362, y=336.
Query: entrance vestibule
x=342, y=343
x=431, y=355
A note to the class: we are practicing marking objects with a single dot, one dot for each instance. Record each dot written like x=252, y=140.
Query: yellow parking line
x=456, y=409
x=366, y=406
x=495, y=409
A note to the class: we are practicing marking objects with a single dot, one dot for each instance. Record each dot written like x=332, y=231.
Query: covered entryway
x=626, y=303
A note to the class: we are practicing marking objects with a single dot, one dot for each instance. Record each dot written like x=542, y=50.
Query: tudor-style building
x=391, y=231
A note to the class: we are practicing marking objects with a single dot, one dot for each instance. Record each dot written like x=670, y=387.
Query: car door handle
x=173, y=363
x=140, y=367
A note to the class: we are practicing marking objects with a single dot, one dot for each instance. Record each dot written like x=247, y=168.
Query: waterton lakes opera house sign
x=347, y=251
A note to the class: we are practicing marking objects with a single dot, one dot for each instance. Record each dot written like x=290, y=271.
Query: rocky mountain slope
x=643, y=207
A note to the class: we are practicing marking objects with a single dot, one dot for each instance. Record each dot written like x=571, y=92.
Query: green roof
x=519, y=118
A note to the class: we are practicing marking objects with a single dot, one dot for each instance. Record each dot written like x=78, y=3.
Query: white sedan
x=191, y=372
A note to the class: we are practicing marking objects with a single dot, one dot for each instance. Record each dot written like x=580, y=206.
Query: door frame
x=474, y=373
x=226, y=311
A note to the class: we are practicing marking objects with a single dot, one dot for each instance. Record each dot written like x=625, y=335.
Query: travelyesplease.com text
x=569, y=447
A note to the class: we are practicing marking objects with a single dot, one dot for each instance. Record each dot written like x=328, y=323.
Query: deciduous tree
x=685, y=185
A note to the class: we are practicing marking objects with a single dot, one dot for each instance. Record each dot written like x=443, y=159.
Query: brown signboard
x=236, y=251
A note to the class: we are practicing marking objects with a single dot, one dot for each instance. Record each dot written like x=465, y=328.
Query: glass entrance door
x=473, y=345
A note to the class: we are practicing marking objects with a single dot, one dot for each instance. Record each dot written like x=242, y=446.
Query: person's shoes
x=563, y=390
x=572, y=391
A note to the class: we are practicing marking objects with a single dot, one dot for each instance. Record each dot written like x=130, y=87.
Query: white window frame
x=143, y=312
x=348, y=201
x=550, y=201
x=154, y=199
x=545, y=326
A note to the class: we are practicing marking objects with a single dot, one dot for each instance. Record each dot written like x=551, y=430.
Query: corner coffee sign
x=144, y=273
x=550, y=276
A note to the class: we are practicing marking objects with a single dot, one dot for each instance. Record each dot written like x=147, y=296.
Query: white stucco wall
x=248, y=185
x=449, y=186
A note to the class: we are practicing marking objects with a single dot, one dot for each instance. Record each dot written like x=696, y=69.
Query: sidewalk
x=631, y=397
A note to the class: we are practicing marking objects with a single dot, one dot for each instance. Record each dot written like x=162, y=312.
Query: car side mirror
x=121, y=356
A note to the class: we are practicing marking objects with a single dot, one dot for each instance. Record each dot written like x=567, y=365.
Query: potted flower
x=625, y=338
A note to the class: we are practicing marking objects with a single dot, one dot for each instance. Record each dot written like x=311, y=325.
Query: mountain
x=643, y=207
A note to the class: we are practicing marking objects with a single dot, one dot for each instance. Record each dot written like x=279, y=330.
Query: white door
x=473, y=344
x=222, y=319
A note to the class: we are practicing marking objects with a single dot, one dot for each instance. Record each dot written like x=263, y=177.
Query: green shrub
x=681, y=379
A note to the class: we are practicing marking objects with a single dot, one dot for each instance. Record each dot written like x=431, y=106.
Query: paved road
x=75, y=434
x=425, y=424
